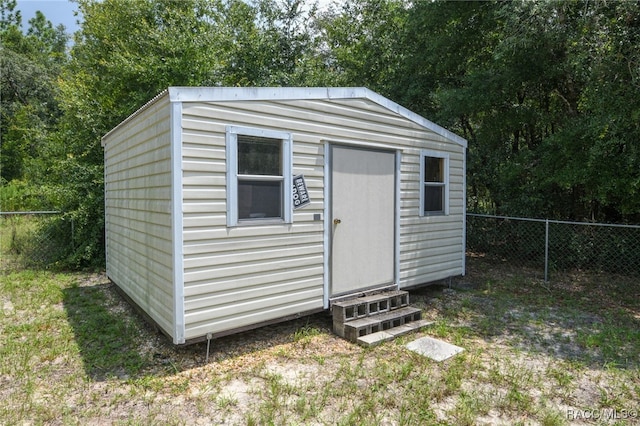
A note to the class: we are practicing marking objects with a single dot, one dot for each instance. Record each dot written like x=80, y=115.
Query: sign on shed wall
x=300, y=194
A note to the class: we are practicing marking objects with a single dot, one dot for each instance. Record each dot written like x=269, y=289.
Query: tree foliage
x=129, y=51
x=29, y=67
x=546, y=93
x=366, y=43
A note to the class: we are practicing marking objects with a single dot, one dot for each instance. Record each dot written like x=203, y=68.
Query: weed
x=226, y=401
x=454, y=374
x=551, y=417
x=274, y=398
x=441, y=328
x=421, y=414
x=468, y=407
x=563, y=379
x=305, y=334
x=518, y=400
x=319, y=358
x=250, y=420
x=308, y=406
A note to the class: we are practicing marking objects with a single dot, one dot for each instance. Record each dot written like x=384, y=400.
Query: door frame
x=328, y=218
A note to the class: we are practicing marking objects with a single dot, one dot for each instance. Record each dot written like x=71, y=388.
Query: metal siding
x=431, y=246
x=246, y=275
x=243, y=275
x=138, y=211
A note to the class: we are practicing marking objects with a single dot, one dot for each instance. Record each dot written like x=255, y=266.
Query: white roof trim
x=155, y=99
x=221, y=94
x=209, y=94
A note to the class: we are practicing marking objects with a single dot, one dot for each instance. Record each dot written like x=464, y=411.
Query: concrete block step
x=354, y=329
x=362, y=307
x=376, y=338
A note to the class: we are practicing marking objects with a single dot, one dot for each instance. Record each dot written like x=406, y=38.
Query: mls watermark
x=602, y=414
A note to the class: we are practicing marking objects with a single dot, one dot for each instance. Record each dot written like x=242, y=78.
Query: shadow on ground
x=116, y=342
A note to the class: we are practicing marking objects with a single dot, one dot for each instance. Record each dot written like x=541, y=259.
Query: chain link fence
x=541, y=247
x=550, y=246
x=37, y=239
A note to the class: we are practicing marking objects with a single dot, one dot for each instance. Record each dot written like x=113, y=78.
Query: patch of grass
x=305, y=334
x=274, y=399
x=518, y=401
x=35, y=339
x=417, y=415
x=226, y=401
x=319, y=358
x=562, y=376
x=454, y=374
x=616, y=340
x=34, y=241
x=469, y=407
x=308, y=405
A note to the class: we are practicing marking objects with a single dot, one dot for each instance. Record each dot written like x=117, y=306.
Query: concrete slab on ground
x=434, y=348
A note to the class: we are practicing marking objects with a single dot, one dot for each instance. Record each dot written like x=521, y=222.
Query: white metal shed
x=228, y=208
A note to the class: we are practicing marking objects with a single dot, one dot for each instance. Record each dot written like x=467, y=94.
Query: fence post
x=546, y=251
x=73, y=231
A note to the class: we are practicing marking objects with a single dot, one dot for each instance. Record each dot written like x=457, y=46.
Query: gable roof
x=211, y=94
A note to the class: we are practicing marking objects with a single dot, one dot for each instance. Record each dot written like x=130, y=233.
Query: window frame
x=232, y=133
x=424, y=154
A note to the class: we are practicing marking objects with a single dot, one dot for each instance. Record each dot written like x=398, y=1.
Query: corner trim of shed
x=177, y=224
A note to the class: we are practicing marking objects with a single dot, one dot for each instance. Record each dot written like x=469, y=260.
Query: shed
x=229, y=208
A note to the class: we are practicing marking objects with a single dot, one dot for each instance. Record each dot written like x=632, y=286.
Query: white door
x=363, y=219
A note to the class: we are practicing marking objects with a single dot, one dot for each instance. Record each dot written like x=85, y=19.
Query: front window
x=259, y=177
x=258, y=171
x=434, y=173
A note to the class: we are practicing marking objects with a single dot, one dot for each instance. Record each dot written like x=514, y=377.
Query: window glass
x=433, y=199
x=433, y=170
x=259, y=199
x=259, y=156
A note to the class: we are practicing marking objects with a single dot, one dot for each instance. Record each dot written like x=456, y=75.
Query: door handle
x=336, y=221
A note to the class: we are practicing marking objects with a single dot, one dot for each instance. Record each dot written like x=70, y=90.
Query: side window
x=258, y=176
x=434, y=183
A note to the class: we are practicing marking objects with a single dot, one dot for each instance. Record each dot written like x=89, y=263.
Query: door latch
x=336, y=221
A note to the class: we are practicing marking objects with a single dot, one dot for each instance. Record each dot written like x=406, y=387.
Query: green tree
x=366, y=43
x=270, y=43
x=125, y=53
x=29, y=67
x=595, y=158
x=285, y=40
x=546, y=93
